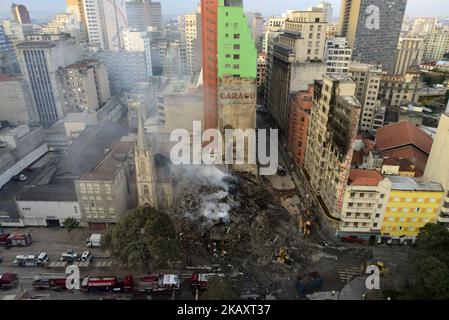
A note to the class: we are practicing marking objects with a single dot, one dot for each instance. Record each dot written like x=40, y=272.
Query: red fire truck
x=107, y=284
x=159, y=283
x=199, y=281
x=55, y=282
x=8, y=281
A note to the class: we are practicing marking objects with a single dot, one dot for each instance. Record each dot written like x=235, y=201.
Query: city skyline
x=173, y=7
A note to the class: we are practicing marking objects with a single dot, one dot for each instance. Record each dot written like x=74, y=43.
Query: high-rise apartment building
x=40, y=61
x=154, y=14
x=135, y=13
x=436, y=45
x=86, y=86
x=410, y=52
x=424, y=26
x=372, y=28
x=193, y=40
x=19, y=14
x=367, y=78
x=396, y=90
x=274, y=27
x=437, y=169
x=75, y=8
x=139, y=41
x=8, y=59
x=332, y=132
x=338, y=55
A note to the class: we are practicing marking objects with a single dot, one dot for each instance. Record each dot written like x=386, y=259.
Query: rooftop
x=413, y=184
x=10, y=77
x=360, y=177
x=50, y=192
x=402, y=134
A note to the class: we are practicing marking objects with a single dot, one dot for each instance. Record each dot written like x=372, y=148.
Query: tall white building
x=410, y=52
x=338, y=55
x=105, y=21
x=424, y=26
x=436, y=45
x=192, y=31
x=139, y=41
x=273, y=28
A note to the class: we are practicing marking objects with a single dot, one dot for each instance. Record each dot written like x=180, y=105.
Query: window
x=236, y=57
x=236, y=36
x=236, y=47
x=362, y=195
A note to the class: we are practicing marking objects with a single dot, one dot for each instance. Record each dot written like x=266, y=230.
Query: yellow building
x=411, y=205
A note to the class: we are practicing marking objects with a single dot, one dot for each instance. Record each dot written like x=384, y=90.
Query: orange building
x=300, y=108
x=209, y=16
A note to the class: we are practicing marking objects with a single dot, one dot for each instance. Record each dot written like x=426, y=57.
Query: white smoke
x=207, y=176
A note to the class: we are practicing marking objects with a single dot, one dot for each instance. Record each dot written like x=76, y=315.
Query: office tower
x=154, y=14
x=8, y=59
x=86, y=86
x=173, y=59
x=436, y=45
x=295, y=61
x=410, y=52
x=424, y=26
x=327, y=8
x=372, y=28
x=135, y=12
x=338, y=55
x=273, y=29
x=257, y=30
x=332, y=132
x=437, y=168
x=193, y=40
x=19, y=14
x=367, y=79
x=105, y=21
x=40, y=61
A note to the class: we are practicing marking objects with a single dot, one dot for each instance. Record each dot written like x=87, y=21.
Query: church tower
x=145, y=170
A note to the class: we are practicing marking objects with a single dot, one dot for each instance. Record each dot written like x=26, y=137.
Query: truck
x=107, y=284
x=199, y=281
x=19, y=240
x=308, y=283
x=31, y=260
x=159, y=283
x=8, y=281
x=4, y=239
x=70, y=256
x=55, y=282
x=94, y=240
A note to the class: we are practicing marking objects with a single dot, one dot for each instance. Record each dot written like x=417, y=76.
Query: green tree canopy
x=143, y=238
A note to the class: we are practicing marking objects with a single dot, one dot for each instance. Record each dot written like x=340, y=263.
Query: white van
x=42, y=258
x=94, y=240
x=86, y=256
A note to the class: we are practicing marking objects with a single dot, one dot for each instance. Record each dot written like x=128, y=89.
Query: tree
x=70, y=224
x=430, y=276
x=221, y=289
x=143, y=238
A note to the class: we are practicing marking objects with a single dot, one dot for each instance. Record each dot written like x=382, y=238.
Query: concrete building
x=437, y=169
x=409, y=53
x=154, y=12
x=48, y=205
x=372, y=28
x=20, y=147
x=125, y=68
x=17, y=32
x=173, y=59
x=424, y=26
x=332, y=132
x=8, y=59
x=86, y=86
x=103, y=192
x=367, y=78
x=274, y=27
x=136, y=15
x=105, y=21
x=141, y=101
x=20, y=14
x=365, y=201
x=396, y=90
x=256, y=24
x=17, y=104
x=261, y=69
x=193, y=40
x=141, y=42
x=436, y=45
x=301, y=105
x=75, y=10
x=338, y=55
x=412, y=204
x=40, y=61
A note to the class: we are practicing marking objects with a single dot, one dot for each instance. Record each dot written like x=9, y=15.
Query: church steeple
x=145, y=169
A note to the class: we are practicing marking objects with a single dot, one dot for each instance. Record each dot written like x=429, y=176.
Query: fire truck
x=199, y=281
x=8, y=281
x=55, y=282
x=107, y=284
x=159, y=283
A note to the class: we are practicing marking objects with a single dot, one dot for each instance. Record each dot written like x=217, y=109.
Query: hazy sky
x=39, y=8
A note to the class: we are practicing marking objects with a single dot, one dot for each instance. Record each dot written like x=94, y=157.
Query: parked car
x=69, y=256
x=86, y=256
x=20, y=177
x=352, y=239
